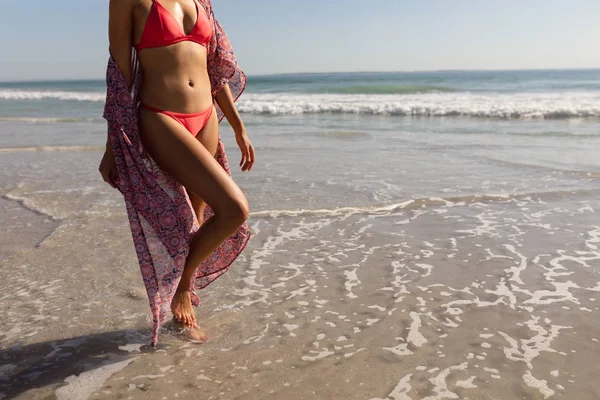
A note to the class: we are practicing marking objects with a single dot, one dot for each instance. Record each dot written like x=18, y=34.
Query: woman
x=164, y=151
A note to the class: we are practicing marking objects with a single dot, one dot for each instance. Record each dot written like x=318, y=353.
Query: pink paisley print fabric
x=160, y=213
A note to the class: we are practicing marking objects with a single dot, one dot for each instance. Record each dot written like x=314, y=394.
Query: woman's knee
x=237, y=210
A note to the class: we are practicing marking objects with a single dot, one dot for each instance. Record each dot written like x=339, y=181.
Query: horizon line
x=341, y=72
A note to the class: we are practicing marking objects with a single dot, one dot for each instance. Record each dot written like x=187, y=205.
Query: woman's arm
x=225, y=101
x=120, y=33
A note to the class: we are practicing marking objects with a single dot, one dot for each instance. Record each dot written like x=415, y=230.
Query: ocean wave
x=48, y=120
x=425, y=202
x=30, y=205
x=385, y=209
x=345, y=134
x=498, y=106
x=432, y=104
x=573, y=134
x=28, y=149
x=52, y=95
x=384, y=89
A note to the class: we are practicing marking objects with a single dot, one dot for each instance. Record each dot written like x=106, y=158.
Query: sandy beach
x=471, y=298
x=392, y=257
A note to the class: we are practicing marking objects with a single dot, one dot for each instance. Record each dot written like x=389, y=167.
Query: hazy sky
x=55, y=39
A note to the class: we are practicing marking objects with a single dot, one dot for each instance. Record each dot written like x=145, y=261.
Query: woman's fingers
x=252, y=157
x=109, y=177
x=248, y=159
x=106, y=178
x=247, y=150
x=108, y=169
x=244, y=155
x=113, y=178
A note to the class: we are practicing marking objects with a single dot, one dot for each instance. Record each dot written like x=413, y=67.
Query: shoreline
x=456, y=298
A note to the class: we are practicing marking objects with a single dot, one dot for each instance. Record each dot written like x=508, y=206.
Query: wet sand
x=493, y=297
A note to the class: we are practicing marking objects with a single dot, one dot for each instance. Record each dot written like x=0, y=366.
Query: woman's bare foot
x=181, y=307
x=195, y=335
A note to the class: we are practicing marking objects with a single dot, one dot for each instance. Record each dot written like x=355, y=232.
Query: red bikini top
x=162, y=29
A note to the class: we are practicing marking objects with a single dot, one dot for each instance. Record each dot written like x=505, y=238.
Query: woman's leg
x=210, y=141
x=190, y=163
x=198, y=205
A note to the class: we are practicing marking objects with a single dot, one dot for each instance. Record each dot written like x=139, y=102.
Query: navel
x=191, y=83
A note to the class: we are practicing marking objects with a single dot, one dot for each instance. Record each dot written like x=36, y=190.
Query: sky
x=67, y=39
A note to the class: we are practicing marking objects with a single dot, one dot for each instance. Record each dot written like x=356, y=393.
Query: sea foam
x=52, y=95
x=465, y=104
x=433, y=104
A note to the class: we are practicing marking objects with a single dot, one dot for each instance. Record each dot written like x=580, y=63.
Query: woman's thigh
x=187, y=160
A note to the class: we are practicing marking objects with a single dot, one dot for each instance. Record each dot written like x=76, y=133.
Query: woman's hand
x=225, y=101
x=108, y=168
x=247, y=150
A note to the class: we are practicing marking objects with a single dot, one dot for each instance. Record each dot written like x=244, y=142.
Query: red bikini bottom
x=192, y=122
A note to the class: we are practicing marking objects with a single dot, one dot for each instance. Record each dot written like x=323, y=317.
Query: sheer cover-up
x=160, y=213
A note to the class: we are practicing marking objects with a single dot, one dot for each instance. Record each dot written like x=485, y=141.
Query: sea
x=416, y=235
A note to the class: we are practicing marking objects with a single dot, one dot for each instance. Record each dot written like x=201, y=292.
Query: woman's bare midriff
x=175, y=78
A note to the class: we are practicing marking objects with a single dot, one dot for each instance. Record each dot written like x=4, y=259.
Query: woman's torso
x=175, y=76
